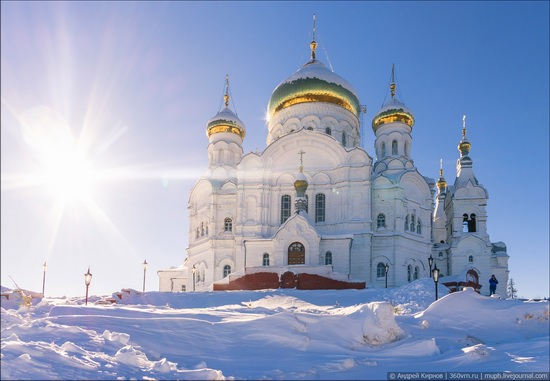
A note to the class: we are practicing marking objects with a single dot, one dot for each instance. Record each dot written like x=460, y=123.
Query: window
x=380, y=270
x=383, y=149
x=198, y=233
x=328, y=131
x=202, y=229
x=394, y=147
x=409, y=273
x=416, y=272
x=381, y=221
x=407, y=223
x=319, y=207
x=285, y=208
x=265, y=260
x=419, y=226
x=407, y=149
x=469, y=224
x=440, y=254
x=310, y=128
x=206, y=229
x=471, y=259
x=228, y=225
x=472, y=223
x=183, y=288
x=413, y=220
x=328, y=258
x=307, y=203
x=226, y=270
x=296, y=254
x=344, y=139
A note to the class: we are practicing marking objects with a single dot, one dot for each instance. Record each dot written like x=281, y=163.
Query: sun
x=69, y=176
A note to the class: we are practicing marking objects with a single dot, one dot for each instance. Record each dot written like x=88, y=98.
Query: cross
x=301, y=153
x=463, y=125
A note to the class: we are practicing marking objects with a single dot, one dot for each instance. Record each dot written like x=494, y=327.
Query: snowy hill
x=273, y=334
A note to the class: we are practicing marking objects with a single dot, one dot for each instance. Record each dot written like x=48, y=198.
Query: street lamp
x=194, y=269
x=87, y=280
x=430, y=262
x=387, y=268
x=144, y=270
x=44, y=267
x=436, y=279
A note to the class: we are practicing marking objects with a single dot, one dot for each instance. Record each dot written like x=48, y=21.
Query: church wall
x=340, y=249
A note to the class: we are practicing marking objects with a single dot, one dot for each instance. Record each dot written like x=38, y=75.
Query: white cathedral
x=315, y=202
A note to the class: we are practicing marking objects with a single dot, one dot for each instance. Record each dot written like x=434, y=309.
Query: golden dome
x=393, y=111
x=225, y=121
x=314, y=83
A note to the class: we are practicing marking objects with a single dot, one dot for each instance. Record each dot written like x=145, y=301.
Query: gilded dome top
x=393, y=111
x=314, y=82
x=225, y=121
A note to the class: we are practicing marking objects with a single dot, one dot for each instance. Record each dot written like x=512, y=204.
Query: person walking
x=493, y=285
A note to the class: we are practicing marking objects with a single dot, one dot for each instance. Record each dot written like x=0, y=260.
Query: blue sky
x=134, y=83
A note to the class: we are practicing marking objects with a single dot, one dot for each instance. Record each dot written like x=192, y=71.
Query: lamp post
x=430, y=262
x=194, y=269
x=144, y=271
x=387, y=268
x=44, y=267
x=436, y=279
x=87, y=280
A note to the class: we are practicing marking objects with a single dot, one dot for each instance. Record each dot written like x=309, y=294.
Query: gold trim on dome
x=464, y=147
x=225, y=128
x=315, y=97
x=393, y=117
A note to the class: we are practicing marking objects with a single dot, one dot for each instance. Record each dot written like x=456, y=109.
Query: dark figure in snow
x=493, y=284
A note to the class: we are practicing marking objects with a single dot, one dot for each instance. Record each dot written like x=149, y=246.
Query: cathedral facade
x=315, y=202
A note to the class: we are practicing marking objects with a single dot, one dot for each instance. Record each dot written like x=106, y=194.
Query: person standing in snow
x=493, y=284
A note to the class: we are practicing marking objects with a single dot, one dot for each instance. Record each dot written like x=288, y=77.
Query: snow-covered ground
x=273, y=334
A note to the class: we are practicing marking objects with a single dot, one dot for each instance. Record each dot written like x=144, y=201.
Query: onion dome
x=393, y=111
x=225, y=120
x=314, y=82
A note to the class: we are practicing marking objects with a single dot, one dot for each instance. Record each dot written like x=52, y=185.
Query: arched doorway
x=296, y=254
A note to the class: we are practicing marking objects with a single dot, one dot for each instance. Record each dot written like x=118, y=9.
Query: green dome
x=314, y=83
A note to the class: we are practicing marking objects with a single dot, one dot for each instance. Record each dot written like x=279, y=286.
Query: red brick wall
x=265, y=280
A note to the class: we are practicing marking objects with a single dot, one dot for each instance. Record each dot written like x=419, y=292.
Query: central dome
x=313, y=82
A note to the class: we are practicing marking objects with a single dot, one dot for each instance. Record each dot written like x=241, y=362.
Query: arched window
x=265, y=260
x=198, y=233
x=407, y=153
x=440, y=254
x=344, y=141
x=319, y=207
x=206, y=229
x=307, y=203
x=394, y=147
x=419, y=226
x=296, y=254
x=407, y=223
x=328, y=131
x=409, y=273
x=228, y=225
x=226, y=270
x=383, y=149
x=202, y=229
x=285, y=208
x=472, y=223
x=416, y=272
x=413, y=220
x=471, y=259
x=465, y=223
x=310, y=128
x=380, y=270
x=381, y=221
x=328, y=258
